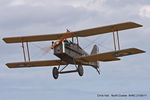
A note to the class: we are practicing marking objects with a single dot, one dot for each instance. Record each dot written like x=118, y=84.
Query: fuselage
x=68, y=51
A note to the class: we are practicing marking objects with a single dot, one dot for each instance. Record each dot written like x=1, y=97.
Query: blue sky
x=31, y=17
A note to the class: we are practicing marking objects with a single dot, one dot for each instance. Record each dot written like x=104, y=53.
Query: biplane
x=70, y=52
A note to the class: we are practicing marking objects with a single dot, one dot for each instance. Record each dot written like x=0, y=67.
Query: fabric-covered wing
x=97, y=57
x=126, y=52
x=82, y=33
x=109, y=56
x=33, y=38
x=36, y=63
x=107, y=29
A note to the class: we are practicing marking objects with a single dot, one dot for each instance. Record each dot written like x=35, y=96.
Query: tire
x=80, y=70
x=55, y=73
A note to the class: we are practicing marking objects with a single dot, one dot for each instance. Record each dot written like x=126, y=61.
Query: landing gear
x=80, y=70
x=55, y=73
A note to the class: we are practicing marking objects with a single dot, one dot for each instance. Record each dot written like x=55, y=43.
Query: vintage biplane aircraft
x=70, y=52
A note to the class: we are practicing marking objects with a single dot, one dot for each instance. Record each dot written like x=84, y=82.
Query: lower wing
x=36, y=63
x=109, y=56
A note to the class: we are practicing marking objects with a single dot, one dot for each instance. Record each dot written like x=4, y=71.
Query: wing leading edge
x=82, y=33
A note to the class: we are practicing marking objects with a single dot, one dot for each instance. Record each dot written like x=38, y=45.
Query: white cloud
x=38, y=4
x=17, y=3
x=95, y=5
x=145, y=11
x=27, y=2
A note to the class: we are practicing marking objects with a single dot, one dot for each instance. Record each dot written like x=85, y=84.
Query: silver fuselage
x=68, y=51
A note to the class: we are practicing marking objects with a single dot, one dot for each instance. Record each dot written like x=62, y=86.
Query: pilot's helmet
x=65, y=40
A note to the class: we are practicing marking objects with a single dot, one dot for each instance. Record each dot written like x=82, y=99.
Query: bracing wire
x=95, y=41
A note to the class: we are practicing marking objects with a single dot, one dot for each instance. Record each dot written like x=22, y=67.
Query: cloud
x=25, y=17
x=32, y=3
x=145, y=11
x=17, y=3
x=29, y=15
x=95, y=5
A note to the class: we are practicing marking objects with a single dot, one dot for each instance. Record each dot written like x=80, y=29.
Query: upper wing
x=36, y=63
x=107, y=29
x=109, y=56
x=82, y=33
x=33, y=38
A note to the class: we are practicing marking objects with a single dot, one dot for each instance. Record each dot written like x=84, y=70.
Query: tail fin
x=95, y=51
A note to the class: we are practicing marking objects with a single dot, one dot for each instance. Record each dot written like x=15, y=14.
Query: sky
x=130, y=75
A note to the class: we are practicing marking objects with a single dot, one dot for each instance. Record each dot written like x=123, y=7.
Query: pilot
x=67, y=43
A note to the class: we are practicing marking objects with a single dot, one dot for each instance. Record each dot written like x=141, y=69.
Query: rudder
x=95, y=51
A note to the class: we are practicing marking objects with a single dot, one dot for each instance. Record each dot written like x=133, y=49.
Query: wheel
x=55, y=73
x=80, y=70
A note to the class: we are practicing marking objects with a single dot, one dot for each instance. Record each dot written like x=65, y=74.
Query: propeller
x=46, y=50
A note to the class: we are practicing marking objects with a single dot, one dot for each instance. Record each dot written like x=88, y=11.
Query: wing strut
x=115, y=47
x=28, y=51
x=24, y=53
x=118, y=40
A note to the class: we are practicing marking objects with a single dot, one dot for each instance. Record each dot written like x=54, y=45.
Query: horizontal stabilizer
x=36, y=63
